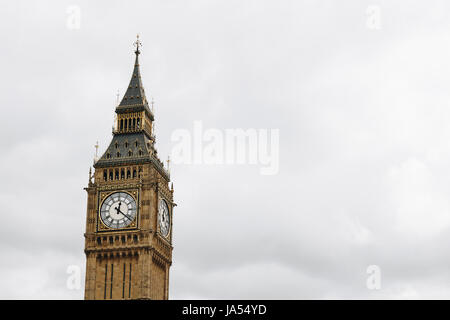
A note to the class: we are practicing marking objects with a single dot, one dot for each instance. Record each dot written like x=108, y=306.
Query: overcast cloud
x=363, y=112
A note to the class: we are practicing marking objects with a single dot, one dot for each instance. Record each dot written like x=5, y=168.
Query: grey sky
x=364, y=141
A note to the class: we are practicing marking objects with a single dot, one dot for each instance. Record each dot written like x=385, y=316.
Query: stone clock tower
x=128, y=239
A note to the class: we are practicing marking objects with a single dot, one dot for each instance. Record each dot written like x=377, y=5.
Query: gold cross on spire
x=137, y=44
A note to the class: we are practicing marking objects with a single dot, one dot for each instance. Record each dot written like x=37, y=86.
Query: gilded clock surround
x=131, y=262
x=101, y=227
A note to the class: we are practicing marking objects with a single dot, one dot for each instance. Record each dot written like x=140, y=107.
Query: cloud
x=364, y=145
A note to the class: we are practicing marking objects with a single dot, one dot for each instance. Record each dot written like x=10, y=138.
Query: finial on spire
x=152, y=102
x=168, y=163
x=137, y=44
x=96, y=152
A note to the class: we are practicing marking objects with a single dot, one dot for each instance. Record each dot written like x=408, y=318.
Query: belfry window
x=122, y=174
x=128, y=174
x=105, y=175
x=134, y=173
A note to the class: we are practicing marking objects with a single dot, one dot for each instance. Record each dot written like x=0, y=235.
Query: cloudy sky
x=359, y=91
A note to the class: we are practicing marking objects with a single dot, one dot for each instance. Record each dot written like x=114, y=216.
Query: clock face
x=164, y=218
x=118, y=210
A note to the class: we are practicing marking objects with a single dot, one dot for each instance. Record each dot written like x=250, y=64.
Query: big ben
x=128, y=238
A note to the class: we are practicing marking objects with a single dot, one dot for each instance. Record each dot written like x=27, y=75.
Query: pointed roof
x=135, y=94
x=131, y=149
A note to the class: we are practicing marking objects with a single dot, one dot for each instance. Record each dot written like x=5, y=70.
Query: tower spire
x=135, y=94
x=133, y=138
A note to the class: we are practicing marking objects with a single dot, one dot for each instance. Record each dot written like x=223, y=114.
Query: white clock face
x=164, y=218
x=118, y=210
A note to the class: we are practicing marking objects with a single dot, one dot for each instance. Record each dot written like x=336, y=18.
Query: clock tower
x=128, y=239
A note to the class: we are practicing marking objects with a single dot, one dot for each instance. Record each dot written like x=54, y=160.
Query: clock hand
x=118, y=208
x=119, y=211
x=125, y=215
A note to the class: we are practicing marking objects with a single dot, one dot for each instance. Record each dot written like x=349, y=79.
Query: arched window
x=117, y=174
x=111, y=175
x=105, y=175
x=128, y=174
x=118, y=154
x=126, y=144
x=140, y=152
x=122, y=174
x=121, y=124
x=134, y=173
x=130, y=153
x=108, y=155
